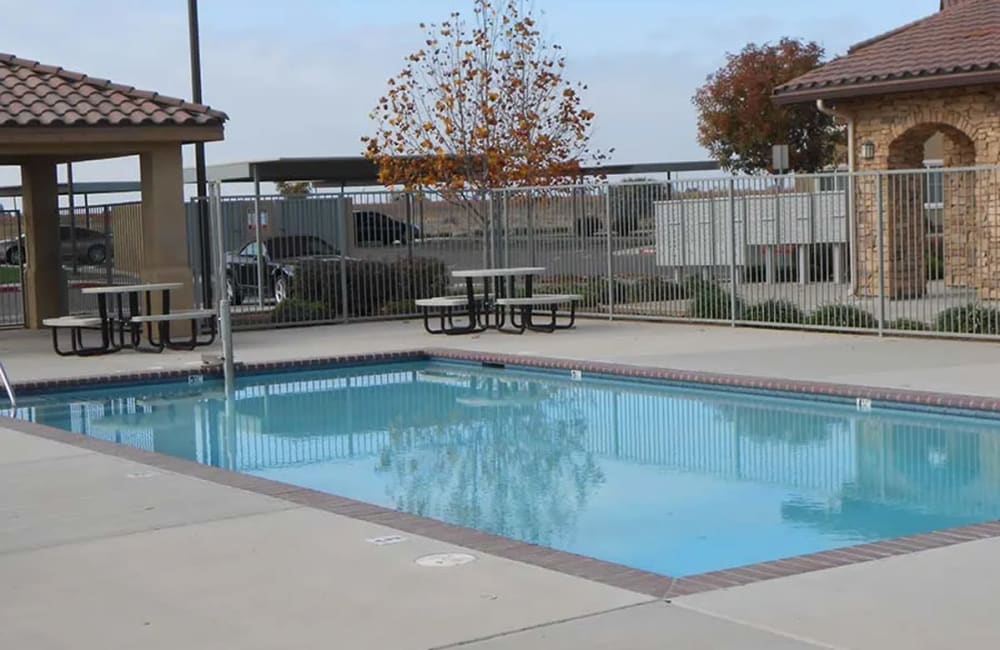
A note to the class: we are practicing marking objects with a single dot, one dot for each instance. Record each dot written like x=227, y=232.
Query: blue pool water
x=676, y=480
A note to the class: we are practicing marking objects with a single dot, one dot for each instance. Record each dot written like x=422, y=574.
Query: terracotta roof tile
x=955, y=43
x=32, y=94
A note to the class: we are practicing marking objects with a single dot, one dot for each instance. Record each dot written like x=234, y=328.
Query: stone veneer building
x=936, y=79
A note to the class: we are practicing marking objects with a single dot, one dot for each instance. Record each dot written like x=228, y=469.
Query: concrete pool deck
x=963, y=367
x=104, y=552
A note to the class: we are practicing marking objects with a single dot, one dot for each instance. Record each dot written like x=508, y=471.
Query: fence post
x=683, y=240
x=345, y=232
x=498, y=231
x=881, y=255
x=489, y=233
x=410, y=280
x=71, y=199
x=20, y=260
x=611, y=267
x=225, y=322
x=532, y=256
x=258, y=237
x=108, y=262
x=505, y=224
x=732, y=252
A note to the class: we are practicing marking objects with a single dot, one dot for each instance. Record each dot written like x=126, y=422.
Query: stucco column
x=43, y=277
x=163, y=250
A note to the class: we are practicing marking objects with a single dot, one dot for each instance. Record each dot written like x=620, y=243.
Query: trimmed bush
x=774, y=311
x=989, y=321
x=419, y=277
x=294, y=310
x=603, y=290
x=595, y=291
x=843, y=316
x=969, y=319
x=399, y=308
x=588, y=296
x=908, y=325
x=653, y=289
x=374, y=288
x=710, y=301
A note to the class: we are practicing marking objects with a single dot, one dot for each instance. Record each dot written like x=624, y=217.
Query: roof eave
x=911, y=84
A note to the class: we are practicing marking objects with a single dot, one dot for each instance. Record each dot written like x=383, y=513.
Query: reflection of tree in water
x=505, y=461
x=926, y=464
x=912, y=476
x=780, y=425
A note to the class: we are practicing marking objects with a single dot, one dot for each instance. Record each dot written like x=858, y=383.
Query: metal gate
x=11, y=269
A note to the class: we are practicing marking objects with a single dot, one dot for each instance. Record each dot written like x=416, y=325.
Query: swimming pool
x=678, y=480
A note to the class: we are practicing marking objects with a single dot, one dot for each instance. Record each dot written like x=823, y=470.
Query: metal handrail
x=7, y=385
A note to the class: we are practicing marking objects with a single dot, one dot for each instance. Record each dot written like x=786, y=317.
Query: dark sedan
x=87, y=247
x=281, y=255
x=371, y=227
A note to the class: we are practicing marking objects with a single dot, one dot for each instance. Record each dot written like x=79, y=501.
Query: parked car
x=371, y=227
x=91, y=247
x=281, y=256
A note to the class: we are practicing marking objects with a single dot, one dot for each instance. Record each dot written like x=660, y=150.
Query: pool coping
x=608, y=573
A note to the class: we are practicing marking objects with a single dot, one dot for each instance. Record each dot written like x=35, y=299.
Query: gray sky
x=299, y=77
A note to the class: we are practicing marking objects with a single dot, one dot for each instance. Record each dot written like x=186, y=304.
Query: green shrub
x=843, y=316
x=989, y=321
x=908, y=325
x=399, y=308
x=602, y=290
x=373, y=287
x=969, y=319
x=584, y=289
x=419, y=277
x=653, y=289
x=321, y=282
x=294, y=310
x=710, y=301
x=775, y=311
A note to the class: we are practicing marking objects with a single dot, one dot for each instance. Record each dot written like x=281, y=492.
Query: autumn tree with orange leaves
x=738, y=120
x=483, y=105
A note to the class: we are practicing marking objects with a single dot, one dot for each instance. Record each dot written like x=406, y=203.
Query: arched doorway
x=929, y=227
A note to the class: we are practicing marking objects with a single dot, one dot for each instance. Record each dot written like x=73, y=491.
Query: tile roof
x=36, y=95
x=959, y=45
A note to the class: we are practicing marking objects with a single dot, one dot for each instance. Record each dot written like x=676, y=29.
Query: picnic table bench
x=497, y=303
x=125, y=318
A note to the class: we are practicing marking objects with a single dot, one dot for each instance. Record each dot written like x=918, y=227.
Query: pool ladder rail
x=7, y=386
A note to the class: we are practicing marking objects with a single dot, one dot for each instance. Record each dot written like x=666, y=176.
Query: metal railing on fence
x=776, y=251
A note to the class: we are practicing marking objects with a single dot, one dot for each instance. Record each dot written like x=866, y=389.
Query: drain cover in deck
x=444, y=560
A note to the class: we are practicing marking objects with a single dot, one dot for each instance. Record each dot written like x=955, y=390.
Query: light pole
x=204, y=228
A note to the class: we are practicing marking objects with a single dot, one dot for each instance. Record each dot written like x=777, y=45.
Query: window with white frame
x=934, y=184
x=833, y=180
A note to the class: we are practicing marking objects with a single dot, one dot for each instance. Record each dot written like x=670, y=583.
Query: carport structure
x=50, y=116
